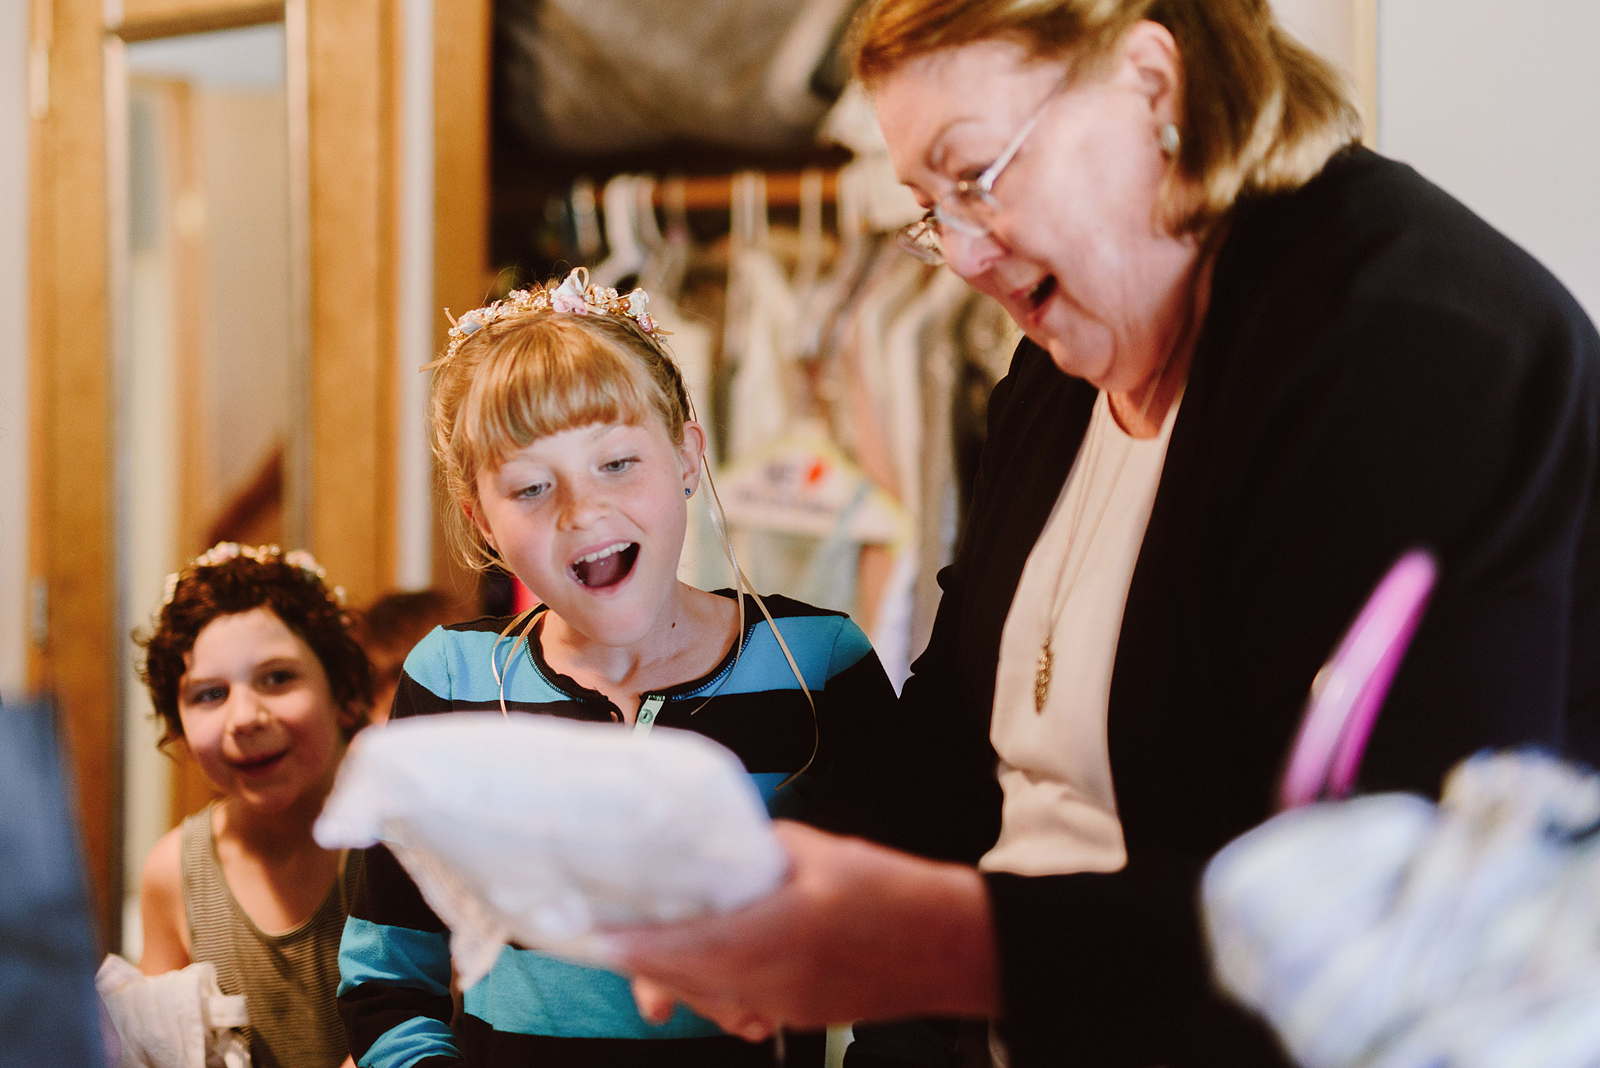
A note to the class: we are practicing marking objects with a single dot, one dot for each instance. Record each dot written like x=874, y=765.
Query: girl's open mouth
x=606, y=567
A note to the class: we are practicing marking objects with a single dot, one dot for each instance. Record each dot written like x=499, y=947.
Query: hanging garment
x=892, y=280
x=585, y=220
x=938, y=351
x=804, y=511
x=625, y=251
x=866, y=425
x=885, y=203
x=702, y=563
x=759, y=329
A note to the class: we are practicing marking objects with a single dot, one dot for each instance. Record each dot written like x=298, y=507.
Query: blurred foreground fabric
x=1385, y=932
x=180, y=1019
x=49, y=1015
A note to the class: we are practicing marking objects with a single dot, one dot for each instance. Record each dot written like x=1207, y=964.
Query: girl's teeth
x=603, y=553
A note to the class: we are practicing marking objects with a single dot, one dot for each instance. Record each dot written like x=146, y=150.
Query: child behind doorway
x=252, y=666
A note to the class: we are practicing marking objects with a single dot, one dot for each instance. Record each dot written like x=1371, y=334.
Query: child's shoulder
x=163, y=868
x=453, y=637
x=450, y=656
x=161, y=908
x=817, y=636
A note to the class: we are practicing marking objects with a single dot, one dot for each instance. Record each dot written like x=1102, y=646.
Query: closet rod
x=713, y=192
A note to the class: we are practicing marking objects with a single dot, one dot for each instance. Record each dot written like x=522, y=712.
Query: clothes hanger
x=622, y=233
x=645, y=227
x=808, y=265
x=665, y=272
x=585, y=223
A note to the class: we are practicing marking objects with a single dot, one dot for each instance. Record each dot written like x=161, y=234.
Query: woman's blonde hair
x=1260, y=112
x=527, y=376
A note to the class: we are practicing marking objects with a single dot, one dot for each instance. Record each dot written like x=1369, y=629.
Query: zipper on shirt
x=649, y=708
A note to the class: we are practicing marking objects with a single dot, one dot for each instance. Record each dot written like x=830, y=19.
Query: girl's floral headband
x=575, y=296
x=224, y=551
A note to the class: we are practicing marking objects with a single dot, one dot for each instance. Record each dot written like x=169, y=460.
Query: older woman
x=1261, y=363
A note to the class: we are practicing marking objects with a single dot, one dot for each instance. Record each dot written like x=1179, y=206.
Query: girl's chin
x=271, y=799
x=618, y=622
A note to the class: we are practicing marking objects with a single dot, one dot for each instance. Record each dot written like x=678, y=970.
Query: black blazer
x=1378, y=369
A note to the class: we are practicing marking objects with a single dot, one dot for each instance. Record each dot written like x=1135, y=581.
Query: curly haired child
x=252, y=667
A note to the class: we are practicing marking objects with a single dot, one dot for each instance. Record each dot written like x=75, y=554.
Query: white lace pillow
x=544, y=831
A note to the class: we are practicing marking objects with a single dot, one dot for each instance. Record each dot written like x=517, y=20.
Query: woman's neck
x=1142, y=410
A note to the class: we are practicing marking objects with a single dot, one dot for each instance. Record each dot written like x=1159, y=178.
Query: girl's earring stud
x=688, y=491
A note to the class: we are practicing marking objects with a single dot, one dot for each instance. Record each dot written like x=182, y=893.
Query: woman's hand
x=856, y=932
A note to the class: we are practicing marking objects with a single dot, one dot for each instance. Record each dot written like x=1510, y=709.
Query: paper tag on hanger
x=804, y=484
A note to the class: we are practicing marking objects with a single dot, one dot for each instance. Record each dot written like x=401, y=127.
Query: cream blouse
x=1059, y=814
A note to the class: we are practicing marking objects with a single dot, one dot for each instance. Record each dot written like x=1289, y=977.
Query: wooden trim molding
x=144, y=20
x=353, y=236
x=71, y=427
x=462, y=39
x=349, y=391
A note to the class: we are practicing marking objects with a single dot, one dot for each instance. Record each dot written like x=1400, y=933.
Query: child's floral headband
x=574, y=296
x=224, y=551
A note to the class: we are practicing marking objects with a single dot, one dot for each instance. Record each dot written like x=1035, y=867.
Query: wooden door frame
x=350, y=57
x=71, y=562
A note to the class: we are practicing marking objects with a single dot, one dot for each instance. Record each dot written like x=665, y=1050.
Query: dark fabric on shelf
x=49, y=1012
x=1378, y=370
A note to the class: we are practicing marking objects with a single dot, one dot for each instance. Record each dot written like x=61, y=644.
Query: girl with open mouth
x=566, y=436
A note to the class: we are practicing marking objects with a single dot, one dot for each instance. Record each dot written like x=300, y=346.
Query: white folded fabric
x=180, y=1019
x=545, y=831
x=1387, y=933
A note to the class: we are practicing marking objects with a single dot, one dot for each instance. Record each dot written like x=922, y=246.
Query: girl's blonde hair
x=527, y=376
x=1260, y=112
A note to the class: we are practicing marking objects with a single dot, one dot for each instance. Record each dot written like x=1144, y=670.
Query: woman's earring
x=1170, y=139
x=688, y=491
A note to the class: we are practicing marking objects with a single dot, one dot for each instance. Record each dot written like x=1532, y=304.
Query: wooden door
x=340, y=479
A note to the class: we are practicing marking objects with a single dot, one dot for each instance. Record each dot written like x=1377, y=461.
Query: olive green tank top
x=288, y=980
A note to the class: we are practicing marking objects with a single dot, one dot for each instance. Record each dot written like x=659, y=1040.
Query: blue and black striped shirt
x=531, y=1008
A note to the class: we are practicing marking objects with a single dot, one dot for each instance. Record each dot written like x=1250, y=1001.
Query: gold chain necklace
x=1064, y=587
x=1199, y=281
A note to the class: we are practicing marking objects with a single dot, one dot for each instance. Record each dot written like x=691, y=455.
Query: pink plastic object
x=1349, y=690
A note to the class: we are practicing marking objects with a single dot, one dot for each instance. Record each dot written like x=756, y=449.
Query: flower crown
x=575, y=295
x=224, y=551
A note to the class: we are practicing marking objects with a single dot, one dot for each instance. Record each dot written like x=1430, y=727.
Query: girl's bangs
x=527, y=392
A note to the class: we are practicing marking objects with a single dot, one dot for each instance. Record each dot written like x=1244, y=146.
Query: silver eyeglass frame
x=921, y=238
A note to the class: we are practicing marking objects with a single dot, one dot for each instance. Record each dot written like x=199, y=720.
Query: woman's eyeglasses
x=970, y=206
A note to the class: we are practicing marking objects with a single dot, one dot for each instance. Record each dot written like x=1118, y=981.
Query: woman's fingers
x=856, y=931
x=654, y=1000
x=656, y=1003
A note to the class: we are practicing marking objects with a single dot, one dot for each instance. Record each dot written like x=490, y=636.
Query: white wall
x=1328, y=27
x=1499, y=103
x=13, y=343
